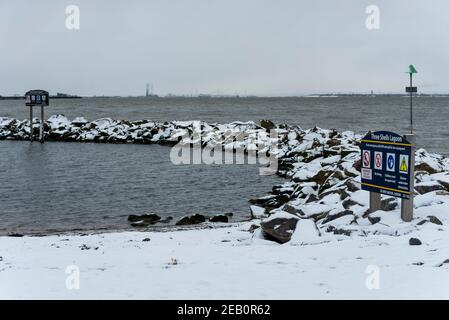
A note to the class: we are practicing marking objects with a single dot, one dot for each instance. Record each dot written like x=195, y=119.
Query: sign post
x=388, y=168
x=41, y=99
x=31, y=124
x=407, y=204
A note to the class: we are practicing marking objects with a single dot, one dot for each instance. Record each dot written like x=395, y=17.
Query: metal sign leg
x=374, y=202
x=31, y=124
x=41, y=132
x=407, y=204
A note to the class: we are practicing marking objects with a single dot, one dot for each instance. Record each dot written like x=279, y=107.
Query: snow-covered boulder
x=305, y=233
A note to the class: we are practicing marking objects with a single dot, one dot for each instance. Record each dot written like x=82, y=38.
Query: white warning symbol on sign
x=403, y=163
x=366, y=159
x=378, y=160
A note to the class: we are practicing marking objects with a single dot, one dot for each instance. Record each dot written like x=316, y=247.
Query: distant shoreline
x=51, y=97
x=337, y=95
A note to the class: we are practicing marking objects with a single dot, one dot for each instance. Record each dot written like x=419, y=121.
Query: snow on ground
x=225, y=263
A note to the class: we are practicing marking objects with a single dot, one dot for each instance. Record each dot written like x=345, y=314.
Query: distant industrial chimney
x=149, y=92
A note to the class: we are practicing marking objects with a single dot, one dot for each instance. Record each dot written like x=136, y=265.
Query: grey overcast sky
x=260, y=47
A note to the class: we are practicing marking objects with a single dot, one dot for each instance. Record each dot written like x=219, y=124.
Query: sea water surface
x=79, y=186
x=57, y=187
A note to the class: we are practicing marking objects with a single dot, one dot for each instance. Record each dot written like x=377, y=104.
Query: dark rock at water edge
x=15, y=235
x=219, y=218
x=191, y=220
x=147, y=218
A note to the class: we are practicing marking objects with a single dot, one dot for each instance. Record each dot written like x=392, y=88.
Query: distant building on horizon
x=150, y=91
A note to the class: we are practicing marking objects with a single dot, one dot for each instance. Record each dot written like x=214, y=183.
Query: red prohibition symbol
x=378, y=160
x=366, y=159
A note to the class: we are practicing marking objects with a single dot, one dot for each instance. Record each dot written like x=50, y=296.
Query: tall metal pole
x=31, y=124
x=411, y=103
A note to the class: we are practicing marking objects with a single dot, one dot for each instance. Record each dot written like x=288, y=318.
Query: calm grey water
x=66, y=186
x=60, y=186
x=359, y=114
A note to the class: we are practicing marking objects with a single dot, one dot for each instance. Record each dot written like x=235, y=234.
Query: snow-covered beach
x=224, y=263
x=313, y=237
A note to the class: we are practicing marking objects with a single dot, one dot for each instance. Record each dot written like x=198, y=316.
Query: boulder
x=271, y=202
x=339, y=231
x=435, y=220
x=257, y=212
x=15, y=235
x=331, y=217
x=166, y=220
x=414, y=242
x=421, y=222
x=262, y=201
x=374, y=220
x=140, y=224
x=444, y=184
x=340, y=191
x=312, y=198
x=321, y=177
x=349, y=203
x=147, y=218
x=425, y=167
x=388, y=204
x=334, y=134
x=191, y=220
x=253, y=228
x=305, y=232
x=333, y=142
x=292, y=210
x=219, y=218
x=279, y=229
x=267, y=125
x=357, y=165
x=425, y=187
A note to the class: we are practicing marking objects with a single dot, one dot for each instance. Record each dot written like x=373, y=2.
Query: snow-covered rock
x=305, y=233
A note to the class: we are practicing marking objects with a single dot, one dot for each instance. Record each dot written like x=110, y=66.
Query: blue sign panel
x=386, y=164
x=37, y=98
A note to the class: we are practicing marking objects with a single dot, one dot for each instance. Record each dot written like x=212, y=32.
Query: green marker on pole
x=411, y=90
x=411, y=69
